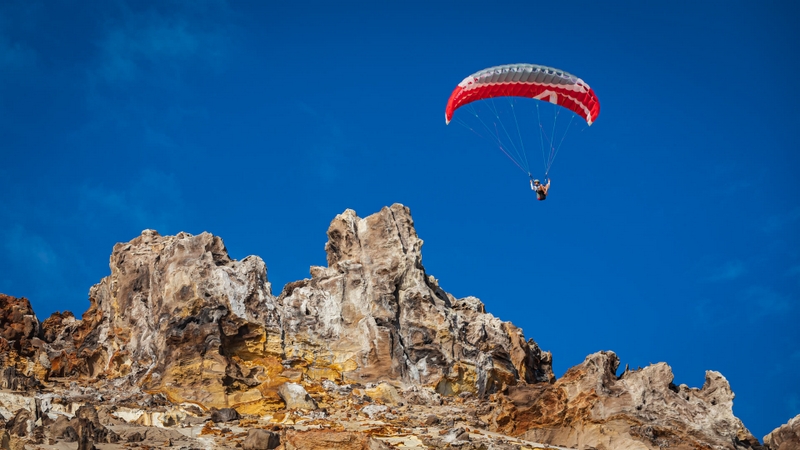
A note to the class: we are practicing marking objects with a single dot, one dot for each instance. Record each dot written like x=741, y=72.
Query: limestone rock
x=326, y=440
x=258, y=439
x=18, y=323
x=21, y=424
x=296, y=397
x=98, y=432
x=54, y=325
x=179, y=331
x=330, y=386
x=19, y=344
x=85, y=428
x=373, y=411
x=591, y=406
x=375, y=314
x=421, y=395
x=149, y=436
x=785, y=437
x=11, y=442
x=456, y=435
x=178, y=316
x=224, y=415
x=58, y=429
x=12, y=379
x=85, y=431
x=384, y=393
x=134, y=437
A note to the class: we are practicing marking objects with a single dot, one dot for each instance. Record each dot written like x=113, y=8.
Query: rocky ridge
x=183, y=346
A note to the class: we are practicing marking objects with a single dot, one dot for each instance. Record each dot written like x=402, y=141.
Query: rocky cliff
x=785, y=437
x=183, y=345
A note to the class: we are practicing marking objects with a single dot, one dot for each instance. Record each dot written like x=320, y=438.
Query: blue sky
x=670, y=234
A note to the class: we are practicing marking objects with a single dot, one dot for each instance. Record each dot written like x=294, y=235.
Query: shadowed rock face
x=18, y=324
x=178, y=329
x=19, y=344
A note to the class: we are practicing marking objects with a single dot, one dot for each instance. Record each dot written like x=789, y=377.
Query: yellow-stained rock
x=461, y=378
x=265, y=405
x=384, y=393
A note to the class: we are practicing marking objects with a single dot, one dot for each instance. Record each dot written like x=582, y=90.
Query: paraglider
x=528, y=82
x=540, y=189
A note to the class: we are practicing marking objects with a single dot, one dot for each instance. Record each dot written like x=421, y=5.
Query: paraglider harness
x=538, y=188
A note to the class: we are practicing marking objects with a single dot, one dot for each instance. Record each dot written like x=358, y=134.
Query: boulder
x=296, y=397
x=258, y=439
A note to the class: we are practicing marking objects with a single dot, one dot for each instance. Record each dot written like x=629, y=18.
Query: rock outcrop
x=592, y=406
x=369, y=351
x=785, y=437
x=375, y=314
x=20, y=368
x=178, y=316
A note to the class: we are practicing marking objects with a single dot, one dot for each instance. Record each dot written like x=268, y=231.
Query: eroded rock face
x=258, y=439
x=19, y=345
x=178, y=316
x=18, y=323
x=179, y=334
x=785, y=437
x=375, y=314
x=325, y=440
x=592, y=406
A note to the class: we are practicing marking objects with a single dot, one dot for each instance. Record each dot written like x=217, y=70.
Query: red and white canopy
x=526, y=80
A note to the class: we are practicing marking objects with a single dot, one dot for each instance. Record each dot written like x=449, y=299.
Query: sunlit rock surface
x=183, y=346
x=592, y=406
x=785, y=437
x=375, y=314
x=176, y=316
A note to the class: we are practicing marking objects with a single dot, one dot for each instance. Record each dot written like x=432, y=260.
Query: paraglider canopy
x=531, y=87
x=526, y=80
